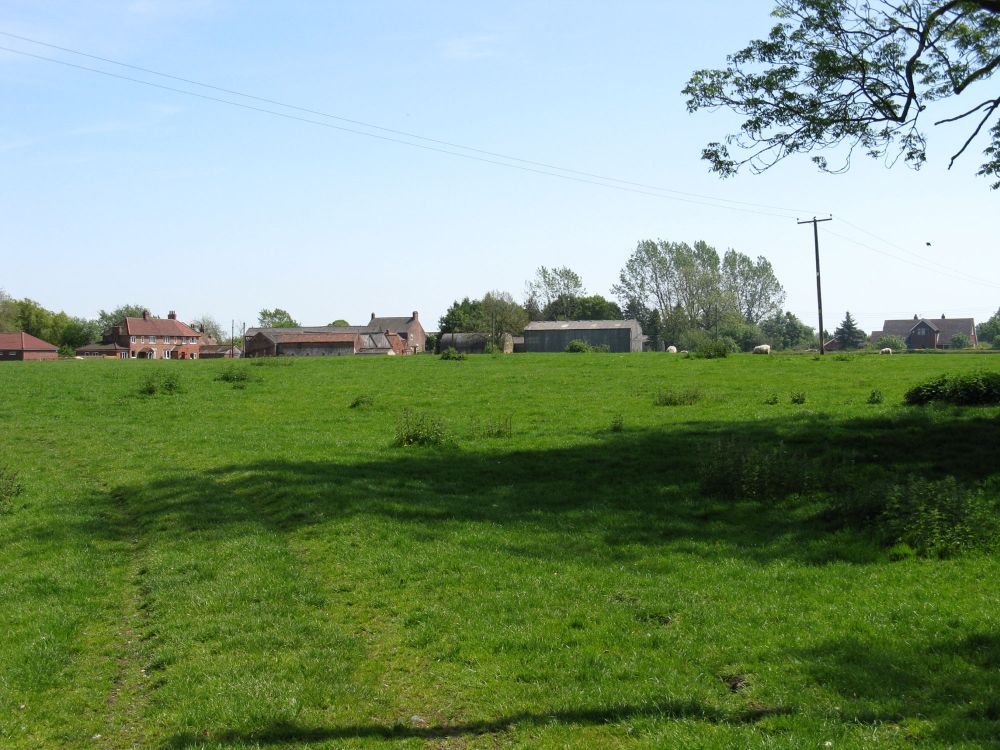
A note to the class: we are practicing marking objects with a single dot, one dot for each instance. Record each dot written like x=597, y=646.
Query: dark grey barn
x=554, y=336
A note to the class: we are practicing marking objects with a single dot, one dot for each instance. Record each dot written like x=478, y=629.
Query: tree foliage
x=990, y=330
x=848, y=335
x=786, y=331
x=276, y=318
x=857, y=74
x=211, y=327
x=555, y=292
x=692, y=290
x=108, y=318
x=461, y=317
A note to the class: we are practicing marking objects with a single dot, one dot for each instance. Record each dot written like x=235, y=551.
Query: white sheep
x=671, y=350
x=762, y=349
x=886, y=350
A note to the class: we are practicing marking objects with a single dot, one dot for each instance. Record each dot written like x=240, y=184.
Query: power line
x=543, y=167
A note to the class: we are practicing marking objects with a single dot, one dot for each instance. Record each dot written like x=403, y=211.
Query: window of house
x=131, y=339
x=152, y=339
x=122, y=355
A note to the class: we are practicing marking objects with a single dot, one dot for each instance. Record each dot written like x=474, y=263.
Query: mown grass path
x=256, y=565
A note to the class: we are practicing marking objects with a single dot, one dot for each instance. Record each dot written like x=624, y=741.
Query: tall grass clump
x=419, y=428
x=10, y=487
x=742, y=470
x=233, y=374
x=362, y=400
x=979, y=388
x=670, y=397
x=501, y=427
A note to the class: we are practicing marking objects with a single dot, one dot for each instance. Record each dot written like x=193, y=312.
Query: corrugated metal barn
x=555, y=335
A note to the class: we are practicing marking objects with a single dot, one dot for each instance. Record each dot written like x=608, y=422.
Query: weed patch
x=413, y=428
x=740, y=470
x=361, y=401
x=494, y=428
x=234, y=375
x=797, y=397
x=875, y=397
x=166, y=383
x=617, y=423
x=452, y=354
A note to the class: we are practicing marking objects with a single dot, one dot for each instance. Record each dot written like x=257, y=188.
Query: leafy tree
x=594, y=307
x=857, y=74
x=276, y=318
x=106, y=319
x=555, y=291
x=500, y=314
x=786, y=331
x=960, y=341
x=211, y=327
x=889, y=341
x=990, y=330
x=8, y=312
x=848, y=335
x=461, y=317
x=752, y=286
x=339, y=323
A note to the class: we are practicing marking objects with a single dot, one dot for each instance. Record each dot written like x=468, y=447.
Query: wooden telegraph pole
x=819, y=289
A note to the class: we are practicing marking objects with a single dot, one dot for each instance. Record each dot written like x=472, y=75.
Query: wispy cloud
x=471, y=47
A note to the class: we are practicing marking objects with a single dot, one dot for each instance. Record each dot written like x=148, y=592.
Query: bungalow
x=927, y=333
x=555, y=335
x=147, y=338
x=20, y=346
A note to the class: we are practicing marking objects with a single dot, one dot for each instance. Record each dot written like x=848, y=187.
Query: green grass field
x=256, y=564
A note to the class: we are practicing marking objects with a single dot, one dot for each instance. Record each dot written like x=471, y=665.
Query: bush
x=960, y=341
x=798, y=397
x=875, y=397
x=452, y=354
x=164, y=382
x=938, y=518
x=419, y=429
x=980, y=388
x=716, y=348
x=895, y=343
x=676, y=398
x=363, y=400
x=578, y=346
x=10, y=487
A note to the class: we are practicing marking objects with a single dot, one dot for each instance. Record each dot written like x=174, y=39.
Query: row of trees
x=681, y=294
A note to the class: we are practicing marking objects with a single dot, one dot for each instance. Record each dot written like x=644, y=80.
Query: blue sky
x=113, y=192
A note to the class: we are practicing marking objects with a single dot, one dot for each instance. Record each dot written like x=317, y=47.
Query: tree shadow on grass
x=285, y=733
x=952, y=682
x=634, y=488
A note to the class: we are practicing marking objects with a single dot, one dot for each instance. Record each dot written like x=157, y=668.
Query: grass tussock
x=10, y=488
x=160, y=383
x=419, y=428
x=677, y=397
x=361, y=401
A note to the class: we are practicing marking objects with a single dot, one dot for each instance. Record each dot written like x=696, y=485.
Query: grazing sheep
x=887, y=350
x=762, y=349
x=671, y=350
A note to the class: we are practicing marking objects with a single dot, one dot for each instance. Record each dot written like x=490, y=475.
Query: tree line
x=682, y=295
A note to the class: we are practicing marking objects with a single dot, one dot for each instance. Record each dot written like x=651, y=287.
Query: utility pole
x=819, y=289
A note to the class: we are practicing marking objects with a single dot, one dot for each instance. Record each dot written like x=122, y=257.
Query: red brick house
x=21, y=346
x=927, y=333
x=147, y=338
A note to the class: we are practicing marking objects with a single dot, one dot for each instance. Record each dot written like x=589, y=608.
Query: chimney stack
x=942, y=316
x=915, y=317
x=373, y=316
x=145, y=314
x=171, y=315
x=416, y=315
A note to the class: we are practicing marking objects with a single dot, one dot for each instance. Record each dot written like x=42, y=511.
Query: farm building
x=927, y=333
x=220, y=351
x=379, y=336
x=147, y=338
x=21, y=346
x=554, y=336
x=295, y=342
x=473, y=343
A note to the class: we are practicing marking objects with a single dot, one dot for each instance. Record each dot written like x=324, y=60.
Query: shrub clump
x=419, y=429
x=980, y=388
x=163, y=382
x=715, y=348
x=875, y=397
x=578, y=346
x=669, y=397
x=771, y=400
x=797, y=397
x=452, y=354
x=10, y=487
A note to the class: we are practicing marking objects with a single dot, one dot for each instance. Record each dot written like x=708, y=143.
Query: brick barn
x=22, y=346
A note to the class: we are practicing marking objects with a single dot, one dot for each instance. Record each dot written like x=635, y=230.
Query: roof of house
x=946, y=327
x=219, y=348
x=282, y=336
x=579, y=325
x=25, y=342
x=389, y=324
x=158, y=327
x=102, y=348
x=251, y=332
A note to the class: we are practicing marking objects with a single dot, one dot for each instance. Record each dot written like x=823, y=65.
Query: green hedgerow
x=979, y=388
